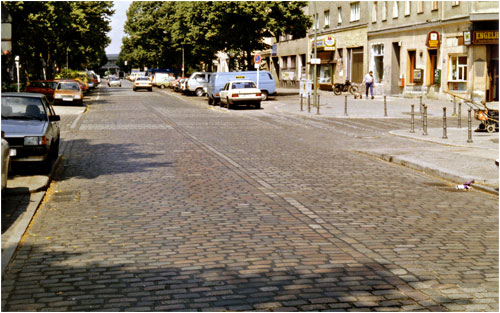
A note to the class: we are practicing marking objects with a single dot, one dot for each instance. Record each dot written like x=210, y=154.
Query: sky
x=117, y=21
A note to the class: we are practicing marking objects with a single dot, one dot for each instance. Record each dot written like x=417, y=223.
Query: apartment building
x=432, y=47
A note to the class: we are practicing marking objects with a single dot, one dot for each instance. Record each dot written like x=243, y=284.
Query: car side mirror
x=54, y=118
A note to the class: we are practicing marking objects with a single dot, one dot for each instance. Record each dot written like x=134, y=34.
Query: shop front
x=326, y=68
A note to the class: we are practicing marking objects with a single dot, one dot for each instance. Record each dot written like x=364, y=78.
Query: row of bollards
x=445, y=123
x=318, y=105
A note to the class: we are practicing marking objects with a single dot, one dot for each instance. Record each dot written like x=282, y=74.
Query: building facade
x=434, y=47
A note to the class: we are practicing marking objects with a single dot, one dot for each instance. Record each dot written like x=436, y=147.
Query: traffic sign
x=257, y=58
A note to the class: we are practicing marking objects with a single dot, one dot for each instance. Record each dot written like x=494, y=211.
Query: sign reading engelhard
x=488, y=37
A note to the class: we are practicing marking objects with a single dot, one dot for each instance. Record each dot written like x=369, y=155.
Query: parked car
x=5, y=162
x=174, y=84
x=197, y=83
x=114, y=81
x=161, y=79
x=178, y=85
x=143, y=82
x=31, y=128
x=45, y=87
x=83, y=85
x=68, y=91
x=237, y=92
x=218, y=80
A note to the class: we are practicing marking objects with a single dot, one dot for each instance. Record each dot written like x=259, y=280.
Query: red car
x=45, y=87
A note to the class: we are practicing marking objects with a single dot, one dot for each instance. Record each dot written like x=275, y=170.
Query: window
x=327, y=18
x=395, y=9
x=355, y=11
x=407, y=8
x=374, y=11
x=378, y=62
x=458, y=68
x=340, y=15
x=316, y=21
x=384, y=11
x=435, y=5
x=455, y=3
x=420, y=7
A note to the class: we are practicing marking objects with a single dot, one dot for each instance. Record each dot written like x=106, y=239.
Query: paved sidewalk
x=452, y=159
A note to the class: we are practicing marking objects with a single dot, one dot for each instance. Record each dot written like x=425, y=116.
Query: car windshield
x=23, y=108
x=68, y=86
x=52, y=85
x=243, y=85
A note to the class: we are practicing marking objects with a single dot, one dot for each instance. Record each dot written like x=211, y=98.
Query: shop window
x=378, y=62
x=384, y=11
x=395, y=9
x=325, y=74
x=327, y=18
x=458, y=68
x=374, y=12
x=355, y=11
x=339, y=15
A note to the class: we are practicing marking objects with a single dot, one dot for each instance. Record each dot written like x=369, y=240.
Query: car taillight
x=234, y=95
x=259, y=94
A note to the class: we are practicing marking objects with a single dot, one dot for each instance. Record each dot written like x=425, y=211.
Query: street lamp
x=16, y=59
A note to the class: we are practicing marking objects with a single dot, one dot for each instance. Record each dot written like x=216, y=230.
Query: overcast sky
x=117, y=21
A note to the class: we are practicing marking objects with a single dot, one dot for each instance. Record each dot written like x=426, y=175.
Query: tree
x=53, y=34
x=157, y=32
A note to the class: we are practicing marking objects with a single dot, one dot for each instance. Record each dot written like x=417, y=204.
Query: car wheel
x=150, y=89
x=210, y=101
x=199, y=92
x=265, y=95
x=162, y=86
x=228, y=104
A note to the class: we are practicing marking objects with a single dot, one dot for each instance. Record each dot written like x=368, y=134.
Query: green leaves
x=157, y=31
x=59, y=32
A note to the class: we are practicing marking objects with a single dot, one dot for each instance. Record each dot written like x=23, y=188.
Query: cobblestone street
x=168, y=204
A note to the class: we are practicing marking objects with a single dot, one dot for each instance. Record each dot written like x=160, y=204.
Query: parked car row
x=30, y=126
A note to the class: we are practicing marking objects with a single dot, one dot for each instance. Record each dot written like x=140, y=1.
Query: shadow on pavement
x=14, y=204
x=93, y=160
x=42, y=277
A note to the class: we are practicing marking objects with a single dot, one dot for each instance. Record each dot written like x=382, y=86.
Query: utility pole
x=316, y=22
x=182, y=60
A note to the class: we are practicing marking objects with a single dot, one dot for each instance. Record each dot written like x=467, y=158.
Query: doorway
x=412, y=59
x=395, y=68
x=432, y=66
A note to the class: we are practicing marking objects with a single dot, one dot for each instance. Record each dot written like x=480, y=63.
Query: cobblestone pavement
x=168, y=204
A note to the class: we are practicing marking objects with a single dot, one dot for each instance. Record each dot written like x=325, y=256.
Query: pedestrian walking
x=368, y=80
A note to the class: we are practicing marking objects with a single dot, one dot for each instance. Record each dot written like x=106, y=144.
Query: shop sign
x=488, y=37
x=467, y=38
x=433, y=39
x=325, y=43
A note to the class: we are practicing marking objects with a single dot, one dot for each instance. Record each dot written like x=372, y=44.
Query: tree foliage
x=53, y=34
x=157, y=32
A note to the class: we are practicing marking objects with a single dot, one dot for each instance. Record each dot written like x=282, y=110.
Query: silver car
x=31, y=128
x=114, y=81
x=5, y=162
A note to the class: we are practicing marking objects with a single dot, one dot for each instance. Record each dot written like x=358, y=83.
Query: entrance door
x=432, y=66
x=357, y=65
x=412, y=59
x=395, y=68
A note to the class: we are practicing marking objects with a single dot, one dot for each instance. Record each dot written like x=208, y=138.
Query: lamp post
x=182, y=60
x=16, y=59
x=316, y=20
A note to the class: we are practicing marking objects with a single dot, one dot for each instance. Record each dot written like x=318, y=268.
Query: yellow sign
x=485, y=37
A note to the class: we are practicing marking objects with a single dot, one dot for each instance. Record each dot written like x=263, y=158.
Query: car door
x=54, y=127
x=224, y=93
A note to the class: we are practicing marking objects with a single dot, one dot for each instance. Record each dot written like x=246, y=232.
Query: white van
x=160, y=79
x=197, y=83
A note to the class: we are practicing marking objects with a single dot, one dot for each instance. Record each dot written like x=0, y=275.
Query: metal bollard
x=425, y=121
x=469, y=131
x=385, y=106
x=317, y=108
x=444, y=124
x=412, y=130
x=301, y=105
x=421, y=108
x=309, y=103
x=460, y=115
x=422, y=117
x=454, y=106
x=345, y=107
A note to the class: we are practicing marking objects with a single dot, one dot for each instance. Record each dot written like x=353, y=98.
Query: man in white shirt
x=368, y=80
